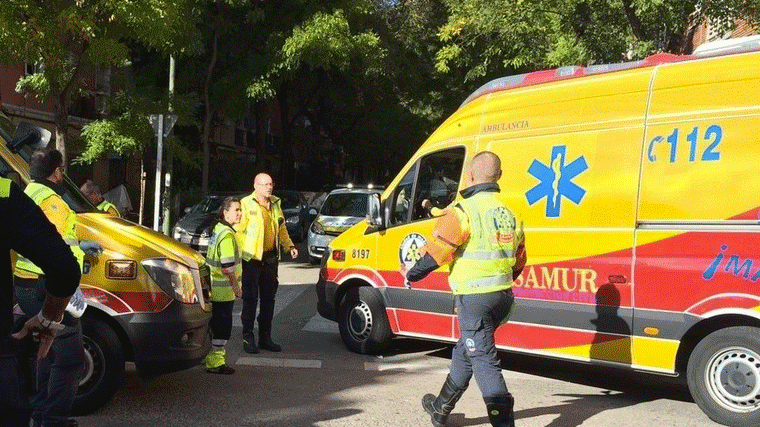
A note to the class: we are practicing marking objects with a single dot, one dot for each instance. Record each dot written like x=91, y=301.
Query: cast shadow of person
x=612, y=341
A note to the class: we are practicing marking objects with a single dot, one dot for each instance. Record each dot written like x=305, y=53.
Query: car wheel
x=103, y=366
x=724, y=376
x=363, y=322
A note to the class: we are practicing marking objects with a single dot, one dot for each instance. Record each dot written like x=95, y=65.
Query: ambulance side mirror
x=375, y=217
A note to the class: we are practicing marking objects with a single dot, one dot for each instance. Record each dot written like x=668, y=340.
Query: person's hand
x=403, y=269
x=45, y=335
x=427, y=204
x=238, y=292
x=293, y=252
x=91, y=248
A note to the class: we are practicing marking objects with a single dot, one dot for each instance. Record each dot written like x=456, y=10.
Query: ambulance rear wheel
x=363, y=322
x=103, y=366
x=724, y=376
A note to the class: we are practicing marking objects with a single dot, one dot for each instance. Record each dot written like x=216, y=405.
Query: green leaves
x=126, y=134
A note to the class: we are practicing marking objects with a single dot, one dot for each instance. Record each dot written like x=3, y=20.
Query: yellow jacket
x=250, y=232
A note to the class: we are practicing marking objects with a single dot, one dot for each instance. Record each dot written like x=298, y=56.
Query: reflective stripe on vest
x=484, y=263
x=221, y=290
x=38, y=193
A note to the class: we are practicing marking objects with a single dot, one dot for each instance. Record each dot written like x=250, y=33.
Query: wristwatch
x=49, y=324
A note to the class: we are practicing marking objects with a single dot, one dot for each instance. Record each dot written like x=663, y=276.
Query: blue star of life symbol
x=556, y=181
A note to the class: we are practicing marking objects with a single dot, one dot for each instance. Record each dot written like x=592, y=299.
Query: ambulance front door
x=424, y=308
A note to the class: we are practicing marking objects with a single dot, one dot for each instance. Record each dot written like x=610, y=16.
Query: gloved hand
x=91, y=248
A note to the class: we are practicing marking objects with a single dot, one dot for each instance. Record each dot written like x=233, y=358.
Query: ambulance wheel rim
x=733, y=379
x=360, y=321
x=93, y=362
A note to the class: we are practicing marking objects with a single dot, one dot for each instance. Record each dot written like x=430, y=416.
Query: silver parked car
x=341, y=209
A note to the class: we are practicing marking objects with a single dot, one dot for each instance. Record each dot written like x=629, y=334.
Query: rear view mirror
x=31, y=135
x=375, y=215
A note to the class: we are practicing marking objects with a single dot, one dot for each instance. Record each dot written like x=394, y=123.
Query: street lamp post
x=162, y=125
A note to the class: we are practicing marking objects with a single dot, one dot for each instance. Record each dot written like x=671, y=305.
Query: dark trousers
x=14, y=393
x=59, y=373
x=259, y=283
x=475, y=353
x=221, y=319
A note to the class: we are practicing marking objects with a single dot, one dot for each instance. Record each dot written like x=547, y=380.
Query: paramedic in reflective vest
x=261, y=234
x=24, y=229
x=59, y=379
x=223, y=257
x=478, y=238
x=92, y=192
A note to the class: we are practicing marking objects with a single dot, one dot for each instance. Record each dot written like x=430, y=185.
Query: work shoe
x=223, y=369
x=441, y=406
x=249, y=344
x=266, y=343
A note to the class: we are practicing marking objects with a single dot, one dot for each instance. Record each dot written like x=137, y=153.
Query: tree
x=488, y=38
x=70, y=37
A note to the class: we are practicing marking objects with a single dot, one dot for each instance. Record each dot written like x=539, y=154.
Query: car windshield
x=345, y=204
x=289, y=200
x=209, y=205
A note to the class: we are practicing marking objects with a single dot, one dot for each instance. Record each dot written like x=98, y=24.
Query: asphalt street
x=316, y=381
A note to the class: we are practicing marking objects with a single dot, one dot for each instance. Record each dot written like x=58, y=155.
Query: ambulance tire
x=104, y=366
x=724, y=376
x=363, y=322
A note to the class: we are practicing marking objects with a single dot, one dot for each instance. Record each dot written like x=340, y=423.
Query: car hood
x=337, y=224
x=195, y=222
x=127, y=240
x=291, y=212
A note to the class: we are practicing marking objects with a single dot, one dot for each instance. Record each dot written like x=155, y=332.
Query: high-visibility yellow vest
x=108, y=207
x=39, y=193
x=223, y=249
x=484, y=263
x=5, y=187
x=250, y=232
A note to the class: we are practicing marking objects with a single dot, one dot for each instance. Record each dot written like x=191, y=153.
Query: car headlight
x=292, y=220
x=316, y=228
x=173, y=278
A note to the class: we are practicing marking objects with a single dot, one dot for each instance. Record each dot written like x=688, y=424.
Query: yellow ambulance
x=148, y=296
x=638, y=187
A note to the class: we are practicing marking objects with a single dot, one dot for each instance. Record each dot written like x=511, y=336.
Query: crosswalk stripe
x=279, y=363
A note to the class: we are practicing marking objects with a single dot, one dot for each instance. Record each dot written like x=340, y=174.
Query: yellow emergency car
x=148, y=296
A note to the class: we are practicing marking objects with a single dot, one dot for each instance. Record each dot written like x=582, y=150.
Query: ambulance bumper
x=189, y=341
x=326, y=305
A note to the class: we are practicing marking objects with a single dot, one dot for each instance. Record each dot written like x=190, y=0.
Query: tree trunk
x=287, y=159
x=634, y=21
x=61, y=118
x=209, y=116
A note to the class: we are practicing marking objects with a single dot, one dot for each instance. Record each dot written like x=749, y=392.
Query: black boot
x=500, y=410
x=249, y=343
x=265, y=339
x=440, y=407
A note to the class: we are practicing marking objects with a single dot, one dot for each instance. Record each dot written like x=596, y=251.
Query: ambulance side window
x=400, y=200
x=437, y=181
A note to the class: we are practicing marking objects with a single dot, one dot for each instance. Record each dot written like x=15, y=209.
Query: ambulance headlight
x=316, y=228
x=175, y=279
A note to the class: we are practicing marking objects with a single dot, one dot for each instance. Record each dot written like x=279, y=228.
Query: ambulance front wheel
x=103, y=366
x=724, y=376
x=363, y=322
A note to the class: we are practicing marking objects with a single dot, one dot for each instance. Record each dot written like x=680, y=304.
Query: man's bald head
x=263, y=185
x=485, y=167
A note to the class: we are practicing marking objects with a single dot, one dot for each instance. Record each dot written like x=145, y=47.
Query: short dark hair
x=44, y=162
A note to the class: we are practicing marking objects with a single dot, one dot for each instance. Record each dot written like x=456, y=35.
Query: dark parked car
x=193, y=229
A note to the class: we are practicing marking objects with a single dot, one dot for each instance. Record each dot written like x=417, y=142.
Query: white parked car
x=341, y=209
